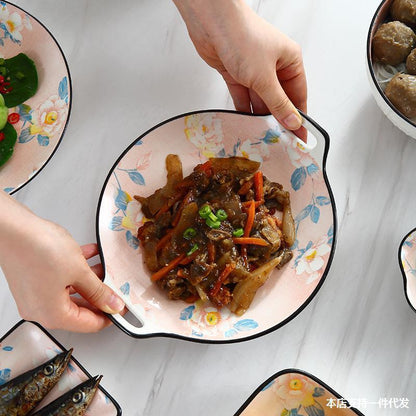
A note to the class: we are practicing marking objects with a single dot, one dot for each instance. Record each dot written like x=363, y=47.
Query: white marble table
x=134, y=66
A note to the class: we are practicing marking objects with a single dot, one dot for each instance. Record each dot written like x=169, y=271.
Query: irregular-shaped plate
x=28, y=345
x=295, y=392
x=195, y=137
x=407, y=262
x=43, y=117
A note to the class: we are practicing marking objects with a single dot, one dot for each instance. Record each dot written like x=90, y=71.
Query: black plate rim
x=296, y=371
x=53, y=339
x=19, y=187
x=272, y=328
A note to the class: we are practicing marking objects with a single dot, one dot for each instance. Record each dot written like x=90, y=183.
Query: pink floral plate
x=407, y=262
x=195, y=137
x=28, y=345
x=43, y=117
x=296, y=393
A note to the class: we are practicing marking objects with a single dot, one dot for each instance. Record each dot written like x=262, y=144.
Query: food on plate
x=394, y=57
x=4, y=112
x=401, y=91
x=393, y=42
x=411, y=63
x=74, y=402
x=8, y=137
x=404, y=11
x=18, y=82
x=21, y=394
x=214, y=235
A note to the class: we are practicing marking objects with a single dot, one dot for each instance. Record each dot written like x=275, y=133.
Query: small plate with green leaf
x=35, y=96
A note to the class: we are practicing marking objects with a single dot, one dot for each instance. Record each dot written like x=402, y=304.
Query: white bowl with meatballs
x=391, y=62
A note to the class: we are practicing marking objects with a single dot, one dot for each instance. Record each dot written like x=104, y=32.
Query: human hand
x=261, y=66
x=44, y=267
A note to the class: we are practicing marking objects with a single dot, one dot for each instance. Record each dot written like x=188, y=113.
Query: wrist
x=17, y=224
x=210, y=13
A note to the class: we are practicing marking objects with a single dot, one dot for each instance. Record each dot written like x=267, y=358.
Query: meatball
x=411, y=62
x=392, y=43
x=401, y=91
x=404, y=11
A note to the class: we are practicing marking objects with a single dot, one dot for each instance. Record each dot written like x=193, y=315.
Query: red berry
x=13, y=118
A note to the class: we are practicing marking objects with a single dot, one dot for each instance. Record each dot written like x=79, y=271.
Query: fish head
x=74, y=402
x=82, y=396
x=46, y=376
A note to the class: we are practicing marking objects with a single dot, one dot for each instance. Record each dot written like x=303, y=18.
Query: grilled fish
x=21, y=394
x=73, y=403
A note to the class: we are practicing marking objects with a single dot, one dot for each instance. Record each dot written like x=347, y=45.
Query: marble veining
x=133, y=66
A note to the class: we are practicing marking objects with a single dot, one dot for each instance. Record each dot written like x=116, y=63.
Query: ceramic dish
x=397, y=118
x=43, y=117
x=196, y=137
x=294, y=392
x=28, y=345
x=407, y=261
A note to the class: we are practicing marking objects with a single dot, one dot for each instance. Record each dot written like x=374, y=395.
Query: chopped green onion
x=2, y=61
x=189, y=233
x=192, y=250
x=221, y=215
x=212, y=224
x=238, y=232
x=212, y=217
x=205, y=211
x=3, y=71
x=20, y=75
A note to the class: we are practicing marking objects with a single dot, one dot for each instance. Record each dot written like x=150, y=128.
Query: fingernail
x=292, y=121
x=115, y=304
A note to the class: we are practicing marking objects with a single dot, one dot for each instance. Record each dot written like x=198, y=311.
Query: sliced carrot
x=245, y=188
x=258, y=186
x=166, y=269
x=186, y=200
x=169, y=203
x=247, y=204
x=189, y=259
x=164, y=240
x=221, y=279
x=205, y=167
x=250, y=240
x=251, y=211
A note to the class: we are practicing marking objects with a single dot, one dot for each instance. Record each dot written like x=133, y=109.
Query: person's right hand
x=44, y=266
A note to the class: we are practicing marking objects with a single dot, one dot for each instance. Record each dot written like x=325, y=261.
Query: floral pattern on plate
x=44, y=116
x=295, y=393
x=196, y=137
x=28, y=345
x=407, y=261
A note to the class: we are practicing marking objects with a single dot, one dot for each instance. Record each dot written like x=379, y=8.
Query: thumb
x=99, y=294
x=279, y=104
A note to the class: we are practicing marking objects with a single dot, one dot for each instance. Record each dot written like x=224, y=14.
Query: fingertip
x=293, y=121
x=89, y=250
x=114, y=305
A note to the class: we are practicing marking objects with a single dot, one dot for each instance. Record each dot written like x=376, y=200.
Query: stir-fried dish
x=218, y=233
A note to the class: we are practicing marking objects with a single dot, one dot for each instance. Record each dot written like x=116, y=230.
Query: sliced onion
x=245, y=290
x=288, y=226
